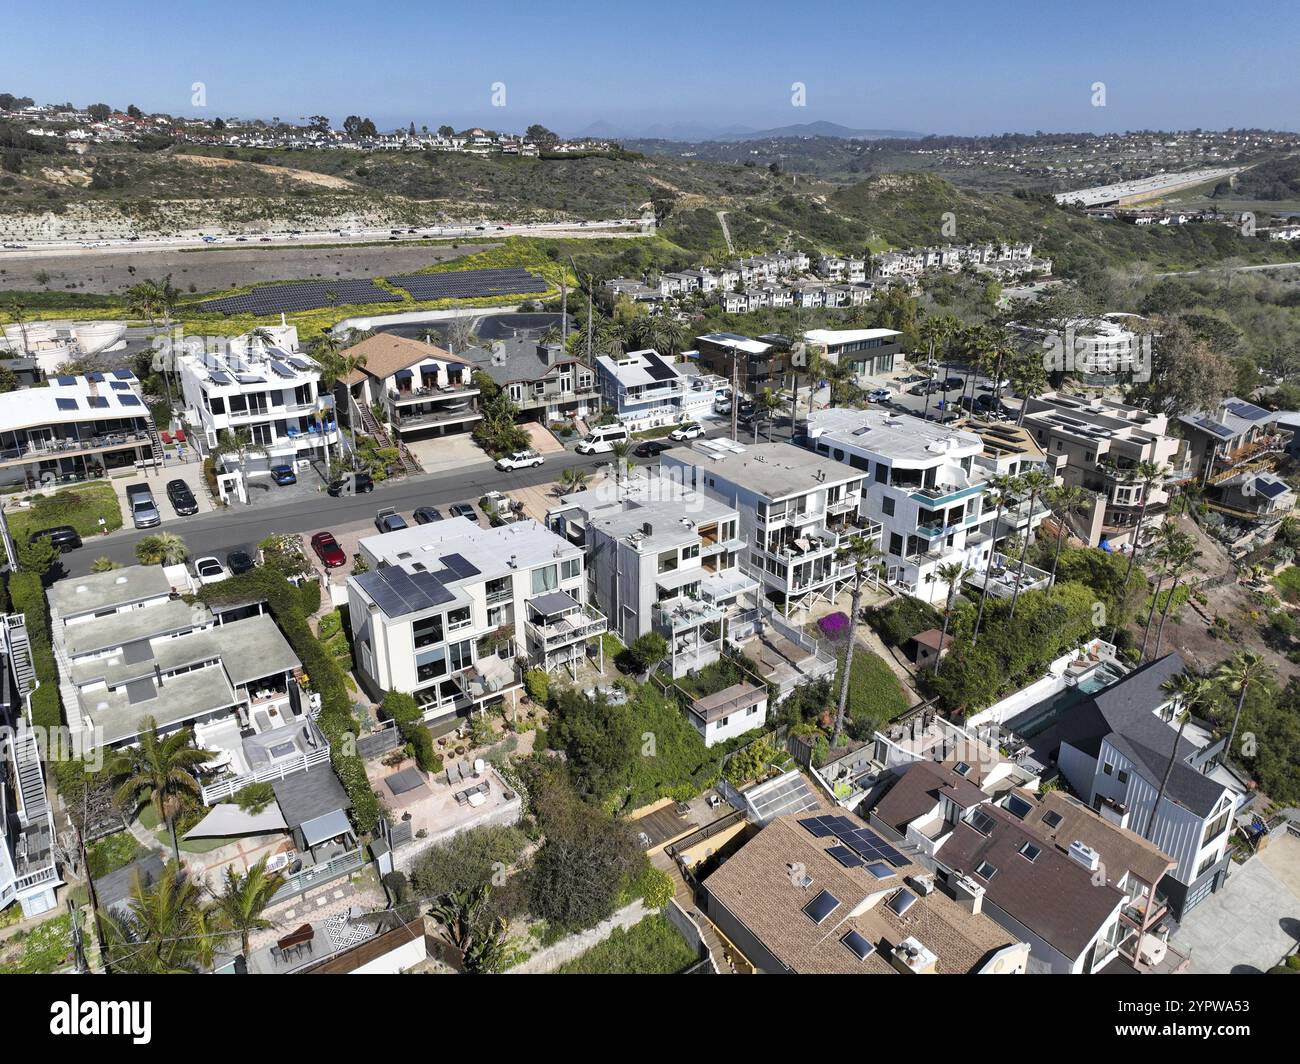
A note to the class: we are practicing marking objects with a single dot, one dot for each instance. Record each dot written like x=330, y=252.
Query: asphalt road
x=239, y=525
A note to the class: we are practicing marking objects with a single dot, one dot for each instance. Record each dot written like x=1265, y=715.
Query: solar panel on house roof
x=301, y=363
x=1270, y=489
x=846, y=857
x=398, y=592
x=66, y=381
x=1213, y=427
x=282, y=369
x=817, y=826
x=982, y=822
x=129, y=400
x=118, y=386
x=220, y=378
x=658, y=368
x=866, y=843
x=66, y=404
x=123, y=374
x=1249, y=411
x=99, y=401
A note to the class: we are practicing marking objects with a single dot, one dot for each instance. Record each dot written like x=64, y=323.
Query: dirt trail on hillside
x=309, y=177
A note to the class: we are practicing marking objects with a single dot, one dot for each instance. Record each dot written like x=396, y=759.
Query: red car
x=328, y=550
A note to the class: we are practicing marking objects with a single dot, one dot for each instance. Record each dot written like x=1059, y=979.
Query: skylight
x=821, y=907
x=985, y=870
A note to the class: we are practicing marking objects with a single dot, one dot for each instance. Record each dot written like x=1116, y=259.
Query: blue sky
x=943, y=67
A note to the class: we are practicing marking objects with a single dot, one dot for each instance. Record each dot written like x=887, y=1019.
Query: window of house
x=1216, y=827
x=458, y=618
x=887, y=506
x=1108, y=768
x=690, y=551
x=895, y=543
x=459, y=655
x=428, y=631
x=1122, y=776
x=668, y=561
x=570, y=568
x=545, y=579
x=1206, y=865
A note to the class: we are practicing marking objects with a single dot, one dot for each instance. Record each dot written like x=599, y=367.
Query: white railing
x=228, y=787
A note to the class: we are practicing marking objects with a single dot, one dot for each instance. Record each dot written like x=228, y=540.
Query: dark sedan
x=426, y=515
x=181, y=498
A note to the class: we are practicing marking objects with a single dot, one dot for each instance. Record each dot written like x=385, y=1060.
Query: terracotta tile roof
x=757, y=885
x=386, y=354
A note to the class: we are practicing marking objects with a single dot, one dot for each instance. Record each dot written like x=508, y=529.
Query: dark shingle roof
x=305, y=796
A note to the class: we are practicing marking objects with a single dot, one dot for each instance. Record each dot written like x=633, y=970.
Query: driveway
x=443, y=453
x=1254, y=921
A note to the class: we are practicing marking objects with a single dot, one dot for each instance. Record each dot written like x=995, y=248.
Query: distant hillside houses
x=786, y=279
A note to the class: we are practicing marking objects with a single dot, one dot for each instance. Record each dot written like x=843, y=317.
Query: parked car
x=689, y=431
x=389, y=520
x=239, y=561
x=602, y=438
x=650, y=448
x=520, y=460
x=425, y=515
x=351, y=484
x=878, y=395
x=209, y=570
x=144, y=511
x=328, y=550
x=284, y=474
x=463, y=509
x=64, y=537
x=952, y=383
x=181, y=498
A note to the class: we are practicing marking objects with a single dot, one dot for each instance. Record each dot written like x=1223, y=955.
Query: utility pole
x=564, y=311
x=735, y=393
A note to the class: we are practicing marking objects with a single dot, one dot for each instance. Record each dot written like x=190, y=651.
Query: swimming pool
x=1042, y=715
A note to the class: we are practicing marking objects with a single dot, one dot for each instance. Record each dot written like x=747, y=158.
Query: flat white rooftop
x=900, y=439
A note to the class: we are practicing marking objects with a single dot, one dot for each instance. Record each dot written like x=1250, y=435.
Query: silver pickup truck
x=144, y=511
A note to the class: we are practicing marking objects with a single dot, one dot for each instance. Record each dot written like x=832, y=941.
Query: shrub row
x=402, y=708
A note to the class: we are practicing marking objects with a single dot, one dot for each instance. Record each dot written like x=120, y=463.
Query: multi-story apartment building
x=129, y=648
x=77, y=428
x=756, y=365
x=421, y=389
x=838, y=268
x=662, y=559
x=542, y=380
x=1115, y=750
x=923, y=487
x=1096, y=444
x=1102, y=350
x=445, y=609
x=643, y=389
x=871, y=352
x=261, y=387
x=29, y=871
x=796, y=510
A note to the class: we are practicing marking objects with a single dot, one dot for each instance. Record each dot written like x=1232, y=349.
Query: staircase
x=371, y=426
x=20, y=652
x=31, y=779
x=155, y=441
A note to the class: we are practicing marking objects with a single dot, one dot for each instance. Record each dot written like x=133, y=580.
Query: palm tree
x=951, y=574
x=17, y=311
x=161, y=548
x=1004, y=488
x=864, y=556
x=165, y=929
x=1237, y=674
x=573, y=479
x=840, y=375
x=159, y=772
x=1181, y=557
x=670, y=337
x=1168, y=534
x=1189, y=691
x=621, y=450
x=1035, y=481
x=932, y=332
x=1065, y=501
x=467, y=928
x=239, y=906
x=259, y=337
x=1145, y=473
x=768, y=403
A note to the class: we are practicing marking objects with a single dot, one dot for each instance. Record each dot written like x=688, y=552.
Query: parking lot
x=902, y=400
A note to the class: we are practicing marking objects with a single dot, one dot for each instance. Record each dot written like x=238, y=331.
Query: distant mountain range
x=691, y=133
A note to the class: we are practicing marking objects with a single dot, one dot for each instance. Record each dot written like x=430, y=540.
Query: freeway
x=1144, y=187
x=286, y=238
x=221, y=531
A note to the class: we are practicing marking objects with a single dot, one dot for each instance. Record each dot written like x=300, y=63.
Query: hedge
x=403, y=709
x=323, y=676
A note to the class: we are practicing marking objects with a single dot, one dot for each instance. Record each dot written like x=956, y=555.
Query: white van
x=602, y=439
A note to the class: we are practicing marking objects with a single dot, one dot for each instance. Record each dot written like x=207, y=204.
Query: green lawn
x=875, y=695
x=112, y=852
x=1288, y=583
x=150, y=819
x=45, y=949
x=652, y=947
x=80, y=506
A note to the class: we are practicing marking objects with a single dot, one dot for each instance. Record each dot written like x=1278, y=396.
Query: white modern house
x=446, y=608
x=77, y=428
x=128, y=647
x=662, y=559
x=730, y=712
x=871, y=352
x=796, y=510
x=923, y=486
x=262, y=389
x=642, y=388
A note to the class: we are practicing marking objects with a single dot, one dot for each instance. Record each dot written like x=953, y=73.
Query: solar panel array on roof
x=302, y=295
x=119, y=386
x=658, y=368
x=862, y=841
x=66, y=381
x=1270, y=489
x=846, y=857
x=123, y=374
x=1213, y=427
x=224, y=379
x=399, y=593
x=301, y=363
x=129, y=400
x=66, y=404
x=97, y=400
x=282, y=369
x=1249, y=411
x=468, y=284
